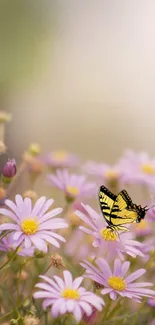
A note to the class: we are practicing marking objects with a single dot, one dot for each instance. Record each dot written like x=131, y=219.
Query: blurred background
x=79, y=75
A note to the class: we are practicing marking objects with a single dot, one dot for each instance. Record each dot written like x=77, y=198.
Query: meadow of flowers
x=58, y=264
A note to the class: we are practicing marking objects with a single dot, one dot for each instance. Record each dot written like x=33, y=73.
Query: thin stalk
x=10, y=259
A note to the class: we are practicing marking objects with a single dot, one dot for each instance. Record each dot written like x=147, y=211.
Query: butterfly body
x=119, y=210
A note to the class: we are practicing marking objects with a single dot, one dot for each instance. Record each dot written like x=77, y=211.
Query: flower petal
x=68, y=279
x=135, y=275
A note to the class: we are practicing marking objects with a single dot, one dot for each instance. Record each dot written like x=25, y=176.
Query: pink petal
x=46, y=206
x=50, y=240
x=43, y=294
x=63, y=308
x=9, y=214
x=48, y=302
x=68, y=279
x=12, y=206
x=85, y=219
x=70, y=304
x=50, y=281
x=93, y=301
x=17, y=235
x=53, y=224
x=140, y=284
x=88, y=231
x=60, y=282
x=106, y=290
x=39, y=243
x=104, y=266
x=56, y=307
x=77, y=313
x=77, y=282
x=124, y=268
x=113, y=295
x=47, y=287
x=50, y=214
x=117, y=267
x=28, y=205
x=9, y=226
x=133, y=276
x=19, y=201
x=27, y=242
x=86, y=307
x=38, y=206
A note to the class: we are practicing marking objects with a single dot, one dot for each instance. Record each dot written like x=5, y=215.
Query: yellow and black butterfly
x=119, y=209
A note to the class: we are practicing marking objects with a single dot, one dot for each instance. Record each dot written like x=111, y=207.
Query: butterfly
x=119, y=209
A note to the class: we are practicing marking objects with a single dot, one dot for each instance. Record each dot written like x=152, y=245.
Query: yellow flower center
x=72, y=190
x=111, y=174
x=108, y=234
x=29, y=226
x=59, y=155
x=148, y=169
x=70, y=294
x=117, y=283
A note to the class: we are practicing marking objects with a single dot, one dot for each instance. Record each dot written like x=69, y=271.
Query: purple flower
x=60, y=159
x=7, y=244
x=9, y=170
x=67, y=296
x=148, y=247
x=106, y=240
x=138, y=168
x=33, y=226
x=106, y=174
x=117, y=283
x=74, y=186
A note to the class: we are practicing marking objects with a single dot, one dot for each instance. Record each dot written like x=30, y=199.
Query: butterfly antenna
x=146, y=209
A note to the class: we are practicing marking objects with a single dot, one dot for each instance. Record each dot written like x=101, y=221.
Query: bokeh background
x=79, y=75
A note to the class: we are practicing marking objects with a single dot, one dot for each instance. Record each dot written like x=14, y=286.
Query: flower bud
x=9, y=171
x=31, y=320
x=34, y=149
x=31, y=194
x=57, y=261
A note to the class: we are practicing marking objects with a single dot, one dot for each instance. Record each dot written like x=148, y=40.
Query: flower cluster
x=57, y=263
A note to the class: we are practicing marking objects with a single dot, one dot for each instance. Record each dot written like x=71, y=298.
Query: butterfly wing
x=122, y=211
x=106, y=199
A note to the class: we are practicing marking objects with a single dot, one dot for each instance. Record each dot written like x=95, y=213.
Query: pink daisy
x=33, y=226
x=60, y=159
x=107, y=241
x=117, y=283
x=138, y=168
x=107, y=174
x=74, y=186
x=67, y=296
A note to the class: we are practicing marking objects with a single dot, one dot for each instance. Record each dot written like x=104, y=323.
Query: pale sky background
x=97, y=96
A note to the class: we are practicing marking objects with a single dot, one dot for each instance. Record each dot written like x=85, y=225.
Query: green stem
x=138, y=312
x=10, y=259
x=5, y=233
x=107, y=309
x=46, y=318
x=115, y=308
x=19, y=276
